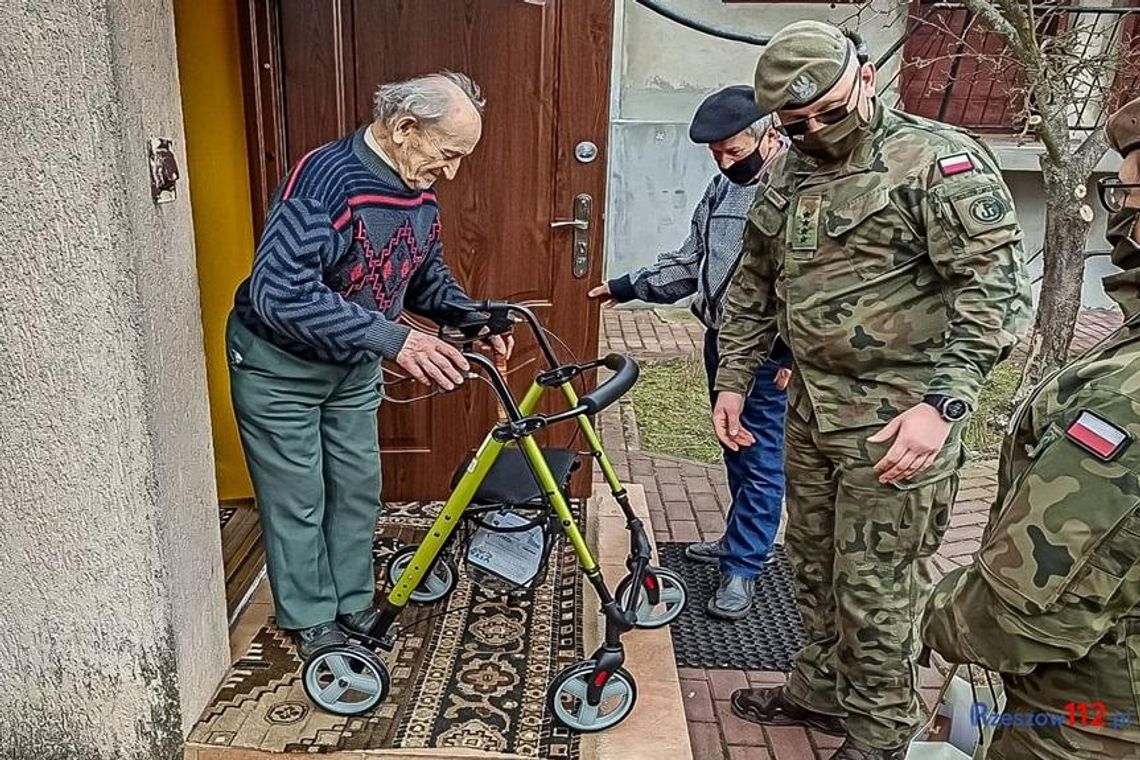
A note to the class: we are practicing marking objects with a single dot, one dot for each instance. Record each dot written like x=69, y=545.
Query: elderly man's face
x=423, y=153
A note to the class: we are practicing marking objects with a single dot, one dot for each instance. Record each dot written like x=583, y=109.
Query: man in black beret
x=742, y=142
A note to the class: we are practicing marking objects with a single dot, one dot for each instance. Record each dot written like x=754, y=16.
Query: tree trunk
x=1064, y=267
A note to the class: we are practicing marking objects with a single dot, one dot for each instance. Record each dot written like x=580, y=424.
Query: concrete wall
x=114, y=631
x=661, y=73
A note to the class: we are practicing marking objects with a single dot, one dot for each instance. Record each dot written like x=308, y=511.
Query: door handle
x=580, y=247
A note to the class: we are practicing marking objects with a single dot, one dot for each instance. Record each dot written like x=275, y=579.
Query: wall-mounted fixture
x=163, y=170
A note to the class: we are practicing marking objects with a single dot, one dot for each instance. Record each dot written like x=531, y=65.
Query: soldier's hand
x=431, y=361
x=783, y=377
x=601, y=294
x=919, y=433
x=726, y=421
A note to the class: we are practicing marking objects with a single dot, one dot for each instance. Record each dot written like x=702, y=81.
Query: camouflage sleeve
x=974, y=241
x=1052, y=576
x=748, y=328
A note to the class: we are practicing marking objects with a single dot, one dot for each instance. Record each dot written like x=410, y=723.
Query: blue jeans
x=756, y=472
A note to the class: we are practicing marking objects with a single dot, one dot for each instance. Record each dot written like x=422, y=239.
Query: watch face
x=955, y=409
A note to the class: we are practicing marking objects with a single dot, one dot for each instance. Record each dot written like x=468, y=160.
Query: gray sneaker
x=708, y=552
x=733, y=599
x=309, y=640
x=363, y=622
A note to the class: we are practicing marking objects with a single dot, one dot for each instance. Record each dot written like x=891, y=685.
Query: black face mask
x=747, y=170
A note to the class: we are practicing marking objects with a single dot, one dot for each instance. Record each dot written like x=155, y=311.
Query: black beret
x=725, y=113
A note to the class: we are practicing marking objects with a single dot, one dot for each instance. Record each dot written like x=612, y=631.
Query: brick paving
x=688, y=502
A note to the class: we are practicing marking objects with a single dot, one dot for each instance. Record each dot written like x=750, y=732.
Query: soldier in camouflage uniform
x=1052, y=600
x=885, y=251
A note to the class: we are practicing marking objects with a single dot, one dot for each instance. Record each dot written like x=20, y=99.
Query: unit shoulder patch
x=1103, y=439
x=985, y=208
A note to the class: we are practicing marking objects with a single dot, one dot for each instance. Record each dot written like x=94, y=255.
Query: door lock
x=580, y=247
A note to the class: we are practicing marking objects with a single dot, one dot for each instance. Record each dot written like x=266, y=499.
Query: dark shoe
x=708, y=552
x=853, y=750
x=363, y=622
x=769, y=706
x=733, y=599
x=311, y=639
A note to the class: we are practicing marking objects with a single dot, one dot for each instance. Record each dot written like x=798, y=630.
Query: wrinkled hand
x=431, y=361
x=919, y=433
x=601, y=294
x=502, y=345
x=783, y=377
x=726, y=421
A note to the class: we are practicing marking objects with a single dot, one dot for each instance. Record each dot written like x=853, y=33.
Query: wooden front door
x=311, y=70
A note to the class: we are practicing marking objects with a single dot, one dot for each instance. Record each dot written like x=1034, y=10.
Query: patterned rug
x=470, y=671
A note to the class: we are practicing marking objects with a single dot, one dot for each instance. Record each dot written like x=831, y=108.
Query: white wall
x=661, y=73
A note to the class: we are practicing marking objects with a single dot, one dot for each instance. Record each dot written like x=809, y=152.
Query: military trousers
x=861, y=552
x=309, y=433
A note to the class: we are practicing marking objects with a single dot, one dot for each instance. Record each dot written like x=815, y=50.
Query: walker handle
x=626, y=373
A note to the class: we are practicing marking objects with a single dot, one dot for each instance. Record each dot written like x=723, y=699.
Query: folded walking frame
x=510, y=499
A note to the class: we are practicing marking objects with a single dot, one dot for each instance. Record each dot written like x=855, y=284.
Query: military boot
x=853, y=750
x=769, y=706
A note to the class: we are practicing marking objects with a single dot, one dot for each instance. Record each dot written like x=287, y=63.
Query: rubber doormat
x=766, y=639
x=472, y=673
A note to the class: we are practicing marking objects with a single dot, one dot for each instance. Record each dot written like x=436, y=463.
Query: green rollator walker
x=510, y=498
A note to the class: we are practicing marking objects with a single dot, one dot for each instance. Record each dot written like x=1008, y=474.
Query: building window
x=957, y=71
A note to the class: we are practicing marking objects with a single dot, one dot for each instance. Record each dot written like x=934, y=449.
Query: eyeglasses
x=1114, y=193
x=830, y=116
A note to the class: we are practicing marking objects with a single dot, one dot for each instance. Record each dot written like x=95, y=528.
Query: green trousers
x=861, y=552
x=309, y=433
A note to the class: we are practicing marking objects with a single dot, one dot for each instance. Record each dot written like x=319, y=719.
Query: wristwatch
x=952, y=409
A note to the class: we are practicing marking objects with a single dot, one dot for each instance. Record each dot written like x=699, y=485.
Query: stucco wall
x=661, y=73
x=113, y=633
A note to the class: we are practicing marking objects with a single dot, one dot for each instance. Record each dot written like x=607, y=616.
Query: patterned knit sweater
x=346, y=246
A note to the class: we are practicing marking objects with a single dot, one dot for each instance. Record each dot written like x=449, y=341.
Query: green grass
x=673, y=416
x=671, y=402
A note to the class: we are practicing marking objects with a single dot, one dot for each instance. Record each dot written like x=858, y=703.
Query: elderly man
x=352, y=237
x=742, y=142
x=1052, y=598
x=886, y=251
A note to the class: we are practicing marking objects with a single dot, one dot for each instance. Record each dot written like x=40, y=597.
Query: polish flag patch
x=958, y=164
x=1098, y=436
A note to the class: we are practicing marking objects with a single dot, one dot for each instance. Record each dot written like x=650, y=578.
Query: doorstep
x=656, y=729
x=206, y=752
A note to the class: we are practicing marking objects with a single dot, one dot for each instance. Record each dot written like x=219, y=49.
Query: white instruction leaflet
x=515, y=556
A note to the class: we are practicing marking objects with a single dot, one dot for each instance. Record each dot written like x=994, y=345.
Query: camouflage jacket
x=897, y=273
x=1052, y=599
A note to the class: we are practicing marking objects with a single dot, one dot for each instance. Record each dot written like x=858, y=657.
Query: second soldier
x=885, y=251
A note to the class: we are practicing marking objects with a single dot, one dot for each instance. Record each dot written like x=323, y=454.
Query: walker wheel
x=437, y=584
x=566, y=699
x=345, y=679
x=673, y=595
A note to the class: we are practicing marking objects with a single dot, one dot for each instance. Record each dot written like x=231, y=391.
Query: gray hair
x=425, y=98
x=760, y=127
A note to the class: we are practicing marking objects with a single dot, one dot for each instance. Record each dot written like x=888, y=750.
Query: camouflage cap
x=801, y=62
x=1123, y=128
